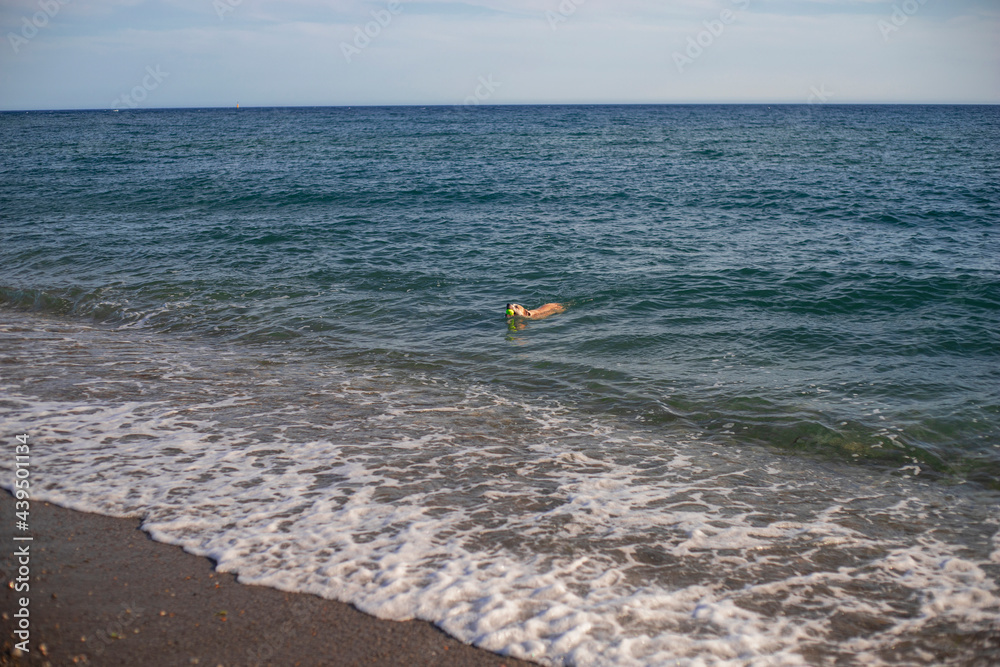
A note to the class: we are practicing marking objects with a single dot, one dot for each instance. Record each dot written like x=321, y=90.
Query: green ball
x=510, y=312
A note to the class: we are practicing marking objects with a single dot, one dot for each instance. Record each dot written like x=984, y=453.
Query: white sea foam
x=521, y=528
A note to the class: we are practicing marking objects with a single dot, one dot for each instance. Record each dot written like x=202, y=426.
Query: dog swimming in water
x=516, y=310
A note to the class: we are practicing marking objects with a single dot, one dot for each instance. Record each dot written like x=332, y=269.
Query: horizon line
x=440, y=105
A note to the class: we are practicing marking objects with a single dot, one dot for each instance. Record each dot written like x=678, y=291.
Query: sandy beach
x=103, y=593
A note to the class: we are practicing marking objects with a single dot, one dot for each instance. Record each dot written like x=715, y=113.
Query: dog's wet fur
x=536, y=313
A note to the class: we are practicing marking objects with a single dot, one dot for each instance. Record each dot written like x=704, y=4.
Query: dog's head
x=519, y=311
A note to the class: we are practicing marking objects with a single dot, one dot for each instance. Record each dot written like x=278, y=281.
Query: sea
x=764, y=432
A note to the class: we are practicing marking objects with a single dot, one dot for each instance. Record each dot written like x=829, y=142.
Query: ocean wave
x=527, y=527
x=73, y=301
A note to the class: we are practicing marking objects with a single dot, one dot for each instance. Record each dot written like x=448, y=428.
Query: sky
x=103, y=54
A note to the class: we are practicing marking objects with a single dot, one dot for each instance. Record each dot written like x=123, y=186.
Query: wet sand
x=103, y=593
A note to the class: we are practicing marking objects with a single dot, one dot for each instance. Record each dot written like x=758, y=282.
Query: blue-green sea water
x=766, y=430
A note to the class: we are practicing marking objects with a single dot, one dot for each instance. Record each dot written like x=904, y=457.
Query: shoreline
x=102, y=592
